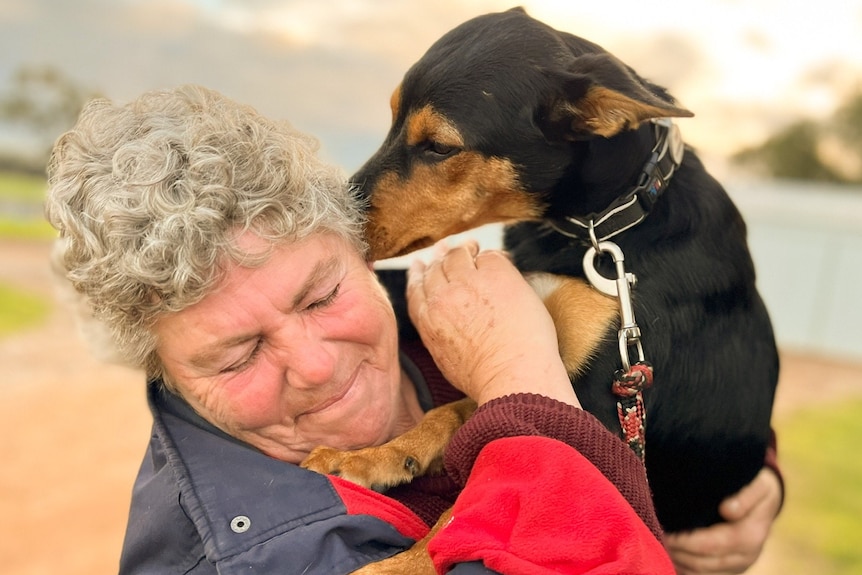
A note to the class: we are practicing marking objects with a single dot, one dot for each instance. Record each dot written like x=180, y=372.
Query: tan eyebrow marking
x=428, y=124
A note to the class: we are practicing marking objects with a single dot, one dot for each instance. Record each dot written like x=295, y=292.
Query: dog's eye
x=439, y=149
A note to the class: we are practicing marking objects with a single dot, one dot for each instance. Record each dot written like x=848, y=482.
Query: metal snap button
x=240, y=524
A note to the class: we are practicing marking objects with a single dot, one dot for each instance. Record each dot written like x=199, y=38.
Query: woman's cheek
x=373, y=317
x=252, y=400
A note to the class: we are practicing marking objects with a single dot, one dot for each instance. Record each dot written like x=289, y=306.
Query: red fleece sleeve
x=535, y=506
x=530, y=414
x=361, y=501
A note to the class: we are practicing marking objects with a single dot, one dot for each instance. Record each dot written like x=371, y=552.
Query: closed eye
x=246, y=362
x=437, y=150
x=325, y=301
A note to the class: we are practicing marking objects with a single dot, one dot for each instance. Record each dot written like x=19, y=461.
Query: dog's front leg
x=414, y=561
x=414, y=453
x=582, y=315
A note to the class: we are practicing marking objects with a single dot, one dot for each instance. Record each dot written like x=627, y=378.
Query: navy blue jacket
x=205, y=503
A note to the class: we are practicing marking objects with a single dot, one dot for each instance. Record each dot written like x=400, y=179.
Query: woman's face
x=299, y=352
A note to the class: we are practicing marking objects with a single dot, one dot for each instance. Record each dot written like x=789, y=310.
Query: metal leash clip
x=629, y=333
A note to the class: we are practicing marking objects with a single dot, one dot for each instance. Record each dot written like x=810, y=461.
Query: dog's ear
x=599, y=95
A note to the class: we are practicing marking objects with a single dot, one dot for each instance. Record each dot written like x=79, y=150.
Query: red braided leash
x=629, y=386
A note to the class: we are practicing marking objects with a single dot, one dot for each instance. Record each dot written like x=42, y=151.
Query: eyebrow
x=207, y=357
x=321, y=271
x=213, y=353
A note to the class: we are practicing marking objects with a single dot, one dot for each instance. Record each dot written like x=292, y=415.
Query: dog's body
x=505, y=119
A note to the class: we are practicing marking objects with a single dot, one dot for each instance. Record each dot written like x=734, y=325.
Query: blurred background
x=776, y=88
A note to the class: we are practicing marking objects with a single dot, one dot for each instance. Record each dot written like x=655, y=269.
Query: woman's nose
x=307, y=361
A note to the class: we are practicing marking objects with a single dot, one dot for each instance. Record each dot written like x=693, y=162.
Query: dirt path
x=74, y=432
x=75, y=429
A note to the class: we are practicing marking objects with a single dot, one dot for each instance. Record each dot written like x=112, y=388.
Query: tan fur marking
x=463, y=192
x=395, y=102
x=427, y=124
x=607, y=112
x=581, y=314
x=386, y=465
x=413, y=561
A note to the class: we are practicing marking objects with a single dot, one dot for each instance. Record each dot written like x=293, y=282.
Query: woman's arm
x=536, y=505
x=533, y=500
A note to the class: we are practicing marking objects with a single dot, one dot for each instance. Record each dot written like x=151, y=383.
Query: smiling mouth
x=332, y=400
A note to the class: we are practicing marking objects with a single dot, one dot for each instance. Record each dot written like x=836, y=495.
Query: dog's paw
x=377, y=468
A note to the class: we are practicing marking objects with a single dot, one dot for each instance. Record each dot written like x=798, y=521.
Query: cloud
x=330, y=67
x=327, y=67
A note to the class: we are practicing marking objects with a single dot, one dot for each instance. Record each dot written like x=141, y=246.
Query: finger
x=472, y=246
x=415, y=290
x=439, y=250
x=698, y=565
x=714, y=540
x=716, y=549
x=415, y=274
x=699, y=551
x=494, y=258
x=759, y=492
x=460, y=260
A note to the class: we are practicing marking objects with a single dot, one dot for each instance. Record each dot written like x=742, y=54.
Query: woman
x=227, y=261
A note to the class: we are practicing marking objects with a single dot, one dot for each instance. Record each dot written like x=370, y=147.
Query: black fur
x=501, y=78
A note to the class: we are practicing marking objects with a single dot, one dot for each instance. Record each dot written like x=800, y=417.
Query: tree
x=848, y=122
x=828, y=151
x=43, y=101
x=791, y=153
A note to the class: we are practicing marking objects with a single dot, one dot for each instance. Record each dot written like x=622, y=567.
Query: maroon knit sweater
x=520, y=415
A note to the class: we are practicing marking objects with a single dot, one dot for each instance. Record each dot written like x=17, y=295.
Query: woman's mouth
x=332, y=400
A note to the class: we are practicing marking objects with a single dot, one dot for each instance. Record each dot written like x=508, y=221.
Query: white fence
x=806, y=241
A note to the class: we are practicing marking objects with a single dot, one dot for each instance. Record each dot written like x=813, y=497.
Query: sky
x=744, y=67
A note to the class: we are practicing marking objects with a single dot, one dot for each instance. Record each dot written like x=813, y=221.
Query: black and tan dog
x=505, y=119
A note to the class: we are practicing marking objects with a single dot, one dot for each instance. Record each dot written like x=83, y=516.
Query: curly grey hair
x=150, y=197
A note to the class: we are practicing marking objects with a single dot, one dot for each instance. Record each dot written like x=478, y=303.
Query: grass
x=26, y=229
x=26, y=191
x=22, y=188
x=821, y=522
x=20, y=310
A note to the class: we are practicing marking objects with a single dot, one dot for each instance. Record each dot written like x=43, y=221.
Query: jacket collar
x=236, y=496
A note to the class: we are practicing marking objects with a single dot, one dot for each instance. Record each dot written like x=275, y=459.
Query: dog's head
x=487, y=124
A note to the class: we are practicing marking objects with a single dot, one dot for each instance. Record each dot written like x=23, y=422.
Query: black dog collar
x=630, y=209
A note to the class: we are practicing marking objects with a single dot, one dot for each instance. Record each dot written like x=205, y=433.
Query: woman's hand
x=486, y=328
x=732, y=547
